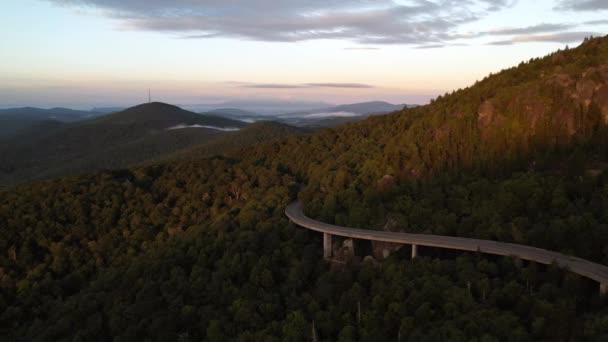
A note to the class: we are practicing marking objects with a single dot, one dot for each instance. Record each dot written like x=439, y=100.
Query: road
x=579, y=266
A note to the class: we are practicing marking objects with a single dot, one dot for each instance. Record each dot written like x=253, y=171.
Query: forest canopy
x=200, y=249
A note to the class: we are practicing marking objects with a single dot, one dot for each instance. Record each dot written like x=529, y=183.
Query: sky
x=92, y=53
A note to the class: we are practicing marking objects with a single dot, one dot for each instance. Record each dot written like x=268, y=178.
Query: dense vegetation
x=200, y=249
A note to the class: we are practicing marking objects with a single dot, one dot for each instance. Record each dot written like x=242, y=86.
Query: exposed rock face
x=584, y=91
x=343, y=252
x=549, y=105
x=382, y=250
x=601, y=97
x=485, y=114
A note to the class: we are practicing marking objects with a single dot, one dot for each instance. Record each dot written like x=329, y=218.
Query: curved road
x=579, y=266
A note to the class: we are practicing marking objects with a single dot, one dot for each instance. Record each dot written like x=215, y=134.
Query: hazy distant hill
x=337, y=115
x=374, y=107
x=262, y=107
x=58, y=113
x=234, y=112
x=318, y=117
x=13, y=120
x=107, y=110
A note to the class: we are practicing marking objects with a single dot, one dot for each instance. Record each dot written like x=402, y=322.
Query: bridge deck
x=579, y=266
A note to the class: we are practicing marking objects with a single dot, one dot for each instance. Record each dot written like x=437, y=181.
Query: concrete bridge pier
x=327, y=245
x=603, y=289
x=414, y=251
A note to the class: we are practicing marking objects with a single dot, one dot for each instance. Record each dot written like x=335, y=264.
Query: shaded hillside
x=199, y=249
x=112, y=141
x=32, y=113
x=15, y=120
x=245, y=138
x=160, y=116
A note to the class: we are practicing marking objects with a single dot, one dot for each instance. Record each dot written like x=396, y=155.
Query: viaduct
x=579, y=266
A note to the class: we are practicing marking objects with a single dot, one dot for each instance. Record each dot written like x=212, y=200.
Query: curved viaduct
x=579, y=266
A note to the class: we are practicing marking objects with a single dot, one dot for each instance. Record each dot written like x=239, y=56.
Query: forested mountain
x=111, y=141
x=199, y=248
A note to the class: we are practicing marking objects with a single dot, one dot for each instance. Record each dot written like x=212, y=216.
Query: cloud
x=360, y=21
x=182, y=126
x=431, y=46
x=424, y=24
x=273, y=86
x=596, y=22
x=364, y=48
x=332, y=114
x=339, y=85
x=306, y=85
x=540, y=28
x=561, y=37
x=582, y=5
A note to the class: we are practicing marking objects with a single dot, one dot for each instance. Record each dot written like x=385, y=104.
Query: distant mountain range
x=141, y=133
x=41, y=143
x=15, y=119
x=374, y=107
x=303, y=114
x=318, y=117
x=332, y=116
x=261, y=107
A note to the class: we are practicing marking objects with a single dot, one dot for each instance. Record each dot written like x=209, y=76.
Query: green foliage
x=200, y=248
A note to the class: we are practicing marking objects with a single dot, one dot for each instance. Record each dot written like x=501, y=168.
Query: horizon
x=84, y=54
x=233, y=104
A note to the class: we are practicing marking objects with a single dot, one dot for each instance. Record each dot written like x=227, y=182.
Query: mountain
x=111, y=141
x=160, y=116
x=13, y=120
x=200, y=249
